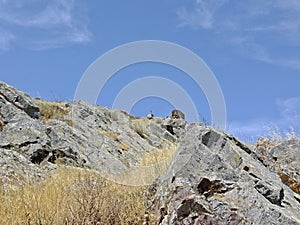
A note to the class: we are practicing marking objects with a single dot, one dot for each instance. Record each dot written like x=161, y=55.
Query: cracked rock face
x=16, y=170
x=215, y=179
x=13, y=101
x=283, y=158
x=85, y=135
x=174, y=126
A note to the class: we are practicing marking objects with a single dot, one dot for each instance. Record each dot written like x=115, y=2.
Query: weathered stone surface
x=175, y=126
x=282, y=157
x=15, y=170
x=215, y=179
x=88, y=136
x=177, y=114
x=12, y=100
x=22, y=131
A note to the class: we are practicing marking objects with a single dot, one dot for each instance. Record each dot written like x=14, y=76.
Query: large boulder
x=215, y=179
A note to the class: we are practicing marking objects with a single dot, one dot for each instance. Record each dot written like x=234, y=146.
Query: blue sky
x=252, y=47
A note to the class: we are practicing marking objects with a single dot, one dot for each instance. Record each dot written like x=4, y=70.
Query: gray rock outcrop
x=283, y=158
x=13, y=101
x=85, y=135
x=212, y=179
x=175, y=124
x=215, y=179
x=16, y=170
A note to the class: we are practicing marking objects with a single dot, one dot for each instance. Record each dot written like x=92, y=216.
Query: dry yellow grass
x=151, y=166
x=159, y=155
x=110, y=135
x=123, y=146
x=141, y=120
x=73, y=196
x=114, y=137
x=54, y=110
x=77, y=196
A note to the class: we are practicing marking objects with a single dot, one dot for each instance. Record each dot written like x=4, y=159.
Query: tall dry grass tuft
x=157, y=156
x=54, y=110
x=275, y=134
x=73, y=196
x=152, y=165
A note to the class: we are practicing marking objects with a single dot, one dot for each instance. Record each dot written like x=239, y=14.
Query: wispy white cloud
x=287, y=122
x=289, y=108
x=258, y=29
x=44, y=24
x=255, y=50
x=5, y=40
x=247, y=131
x=203, y=15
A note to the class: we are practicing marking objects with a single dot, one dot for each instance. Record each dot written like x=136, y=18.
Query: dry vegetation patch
x=115, y=138
x=159, y=155
x=140, y=121
x=109, y=134
x=73, y=196
x=152, y=165
x=54, y=110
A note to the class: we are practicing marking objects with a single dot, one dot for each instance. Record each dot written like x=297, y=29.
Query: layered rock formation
x=213, y=178
x=216, y=179
x=76, y=134
x=282, y=157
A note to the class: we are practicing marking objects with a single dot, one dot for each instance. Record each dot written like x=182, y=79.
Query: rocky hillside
x=37, y=135
x=194, y=174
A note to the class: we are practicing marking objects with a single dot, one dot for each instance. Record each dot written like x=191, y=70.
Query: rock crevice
x=212, y=178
